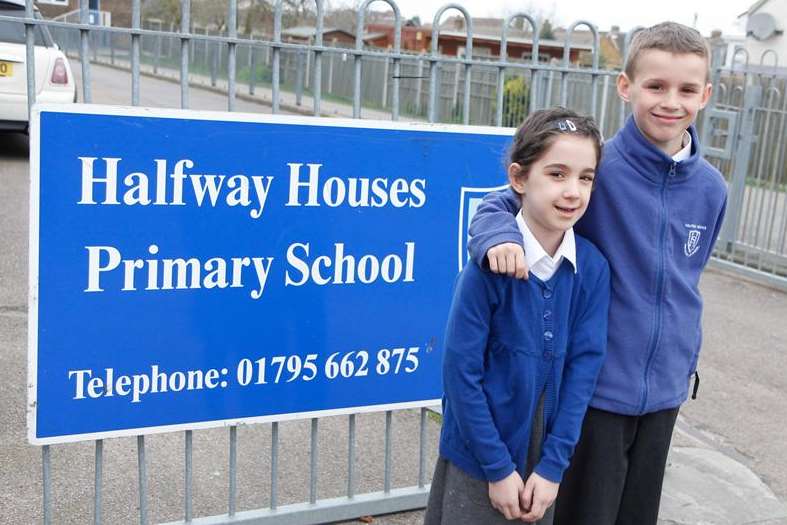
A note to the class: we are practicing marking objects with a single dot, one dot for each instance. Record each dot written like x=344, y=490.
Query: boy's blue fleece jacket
x=656, y=221
x=507, y=342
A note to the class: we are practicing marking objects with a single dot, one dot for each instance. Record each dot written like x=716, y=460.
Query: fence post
x=206, y=48
x=435, y=81
x=157, y=56
x=136, y=15
x=548, y=90
x=46, y=466
x=604, y=94
x=330, y=68
x=716, y=64
x=142, y=479
x=185, y=24
x=214, y=64
x=219, y=56
x=84, y=52
x=192, y=46
x=252, y=67
x=455, y=95
x=169, y=41
x=232, y=55
x=299, y=60
x=307, y=76
x=535, y=78
x=419, y=86
x=99, y=472
x=385, y=80
x=188, y=475
x=737, y=191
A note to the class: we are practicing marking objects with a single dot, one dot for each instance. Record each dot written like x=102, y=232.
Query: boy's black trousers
x=617, y=470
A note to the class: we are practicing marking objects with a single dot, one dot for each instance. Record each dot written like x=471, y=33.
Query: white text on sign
x=104, y=182
x=246, y=372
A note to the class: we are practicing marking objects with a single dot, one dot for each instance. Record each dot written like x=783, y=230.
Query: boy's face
x=555, y=191
x=666, y=93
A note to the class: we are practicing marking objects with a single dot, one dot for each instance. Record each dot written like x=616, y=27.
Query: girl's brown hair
x=537, y=133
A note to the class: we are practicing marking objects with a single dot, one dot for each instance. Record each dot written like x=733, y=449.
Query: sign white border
x=462, y=211
x=183, y=114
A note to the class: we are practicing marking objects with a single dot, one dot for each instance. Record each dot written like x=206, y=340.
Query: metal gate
x=743, y=132
x=744, y=137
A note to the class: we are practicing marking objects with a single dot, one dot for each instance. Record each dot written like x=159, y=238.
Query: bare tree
x=344, y=18
x=168, y=11
x=211, y=13
x=299, y=12
x=258, y=18
x=538, y=13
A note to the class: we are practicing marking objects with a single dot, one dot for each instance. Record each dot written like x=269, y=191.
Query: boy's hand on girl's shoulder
x=508, y=258
x=536, y=497
x=504, y=495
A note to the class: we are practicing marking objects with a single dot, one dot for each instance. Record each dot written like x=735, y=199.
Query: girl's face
x=556, y=189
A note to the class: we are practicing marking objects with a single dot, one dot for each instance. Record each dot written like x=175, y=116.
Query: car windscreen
x=14, y=32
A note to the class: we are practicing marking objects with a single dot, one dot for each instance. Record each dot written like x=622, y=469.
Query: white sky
x=711, y=14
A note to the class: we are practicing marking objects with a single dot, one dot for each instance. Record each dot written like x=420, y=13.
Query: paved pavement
x=727, y=464
x=114, y=87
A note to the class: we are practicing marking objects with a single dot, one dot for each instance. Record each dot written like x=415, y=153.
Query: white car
x=54, y=80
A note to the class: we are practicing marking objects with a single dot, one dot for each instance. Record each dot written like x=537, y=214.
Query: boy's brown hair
x=670, y=37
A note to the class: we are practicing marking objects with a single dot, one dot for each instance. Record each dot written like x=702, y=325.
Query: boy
x=655, y=215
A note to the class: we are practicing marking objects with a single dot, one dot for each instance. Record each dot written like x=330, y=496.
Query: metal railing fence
x=745, y=140
x=254, y=59
x=468, y=90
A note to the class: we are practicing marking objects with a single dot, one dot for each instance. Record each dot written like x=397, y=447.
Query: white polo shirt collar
x=685, y=151
x=538, y=260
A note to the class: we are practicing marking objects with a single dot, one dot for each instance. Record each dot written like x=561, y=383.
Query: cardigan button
x=547, y=355
x=547, y=293
x=548, y=335
x=547, y=314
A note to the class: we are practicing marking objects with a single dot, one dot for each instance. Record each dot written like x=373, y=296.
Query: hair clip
x=566, y=125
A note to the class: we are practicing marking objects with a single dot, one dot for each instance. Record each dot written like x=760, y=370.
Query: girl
x=521, y=357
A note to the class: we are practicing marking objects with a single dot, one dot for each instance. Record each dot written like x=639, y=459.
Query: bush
x=264, y=74
x=516, y=101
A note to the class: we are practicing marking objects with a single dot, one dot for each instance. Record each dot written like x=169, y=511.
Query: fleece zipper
x=660, y=278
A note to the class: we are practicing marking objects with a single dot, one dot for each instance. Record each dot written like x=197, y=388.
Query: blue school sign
x=193, y=269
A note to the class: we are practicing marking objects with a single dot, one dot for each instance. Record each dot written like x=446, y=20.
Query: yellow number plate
x=6, y=69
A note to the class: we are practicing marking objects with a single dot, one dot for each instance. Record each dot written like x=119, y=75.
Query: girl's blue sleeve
x=494, y=223
x=584, y=357
x=467, y=332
